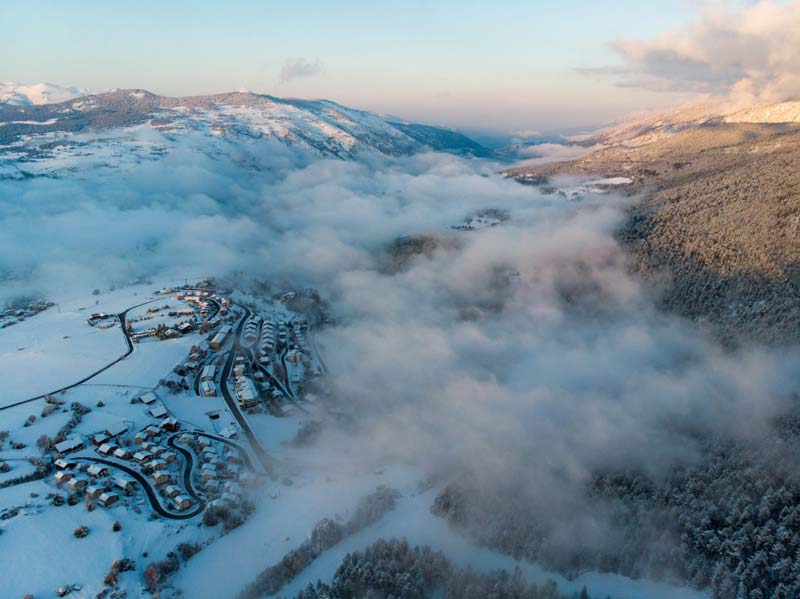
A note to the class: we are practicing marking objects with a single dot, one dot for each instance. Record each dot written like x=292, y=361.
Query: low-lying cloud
x=525, y=351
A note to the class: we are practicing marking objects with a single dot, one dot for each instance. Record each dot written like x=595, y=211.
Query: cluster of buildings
x=221, y=473
x=201, y=301
x=94, y=480
x=266, y=343
x=148, y=454
x=251, y=330
x=207, y=377
x=192, y=364
x=246, y=392
x=13, y=315
x=101, y=320
x=163, y=331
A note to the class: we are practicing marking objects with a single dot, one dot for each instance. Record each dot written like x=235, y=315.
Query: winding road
x=233, y=404
x=121, y=317
x=188, y=465
x=242, y=451
x=149, y=490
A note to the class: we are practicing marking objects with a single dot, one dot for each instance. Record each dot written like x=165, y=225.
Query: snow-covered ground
x=42, y=554
x=287, y=514
x=309, y=483
x=54, y=349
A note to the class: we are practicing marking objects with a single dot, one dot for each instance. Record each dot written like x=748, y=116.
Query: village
x=179, y=448
x=12, y=315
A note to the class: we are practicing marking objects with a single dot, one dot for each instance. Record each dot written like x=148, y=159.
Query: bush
x=187, y=550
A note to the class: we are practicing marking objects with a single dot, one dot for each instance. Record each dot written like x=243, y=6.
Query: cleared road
x=149, y=490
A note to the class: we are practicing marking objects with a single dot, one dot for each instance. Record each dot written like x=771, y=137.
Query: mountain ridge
x=322, y=126
x=716, y=223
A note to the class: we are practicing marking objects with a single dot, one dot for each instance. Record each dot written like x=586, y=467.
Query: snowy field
x=286, y=516
x=46, y=554
x=59, y=348
x=54, y=349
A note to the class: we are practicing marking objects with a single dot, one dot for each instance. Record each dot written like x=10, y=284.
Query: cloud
x=753, y=52
x=295, y=68
x=524, y=352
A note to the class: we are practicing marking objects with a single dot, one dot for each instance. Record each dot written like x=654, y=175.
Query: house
x=208, y=472
x=152, y=431
x=76, y=484
x=183, y=502
x=246, y=393
x=117, y=429
x=170, y=424
x=94, y=491
x=172, y=491
x=169, y=456
x=161, y=476
x=216, y=504
x=185, y=328
x=249, y=479
x=230, y=498
x=142, y=456
x=68, y=446
x=64, y=464
x=220, y=337
x=107, y=499
x=218, y=340
x=238, y=370
x=123, y=483
x=229, y=432
x=211, y=486
x=148, y=398
x=96, y=470
x=294, y=356
x=208, y=389
x=140, y=437
x=99, y=439
x=63, y=476
x=158, y=450
x=156, y=465
x=106, y=448
x=158, y=411
x=122, y=453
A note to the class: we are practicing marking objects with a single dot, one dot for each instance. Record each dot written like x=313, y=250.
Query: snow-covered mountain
x=654, y=127
x=38, y=93
x=782, y=112
x=124, y=126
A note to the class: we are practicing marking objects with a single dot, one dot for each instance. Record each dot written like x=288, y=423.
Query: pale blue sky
x=504, y=64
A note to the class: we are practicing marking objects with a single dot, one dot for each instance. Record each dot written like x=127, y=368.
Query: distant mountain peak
x=34, y=94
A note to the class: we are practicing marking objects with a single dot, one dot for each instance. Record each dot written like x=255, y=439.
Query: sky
x=509, y=65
